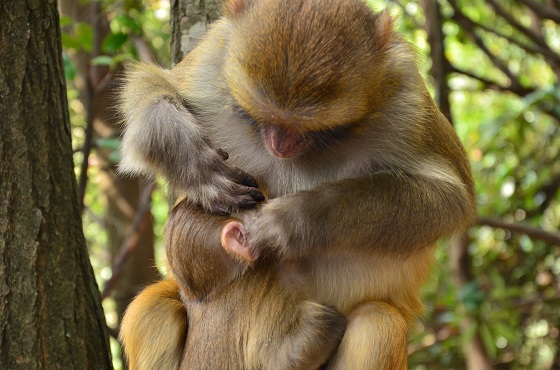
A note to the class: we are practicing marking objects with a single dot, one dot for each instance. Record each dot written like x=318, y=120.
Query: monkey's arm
x=392, y=213
x=161, y=136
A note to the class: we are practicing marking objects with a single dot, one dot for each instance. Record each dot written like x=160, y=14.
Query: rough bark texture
x=50, y=315
x=189, y=21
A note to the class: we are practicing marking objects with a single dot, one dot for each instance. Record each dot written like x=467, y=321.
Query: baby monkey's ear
x=234, y=241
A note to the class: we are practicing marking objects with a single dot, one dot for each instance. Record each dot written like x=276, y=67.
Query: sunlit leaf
x=102, y=60
x=113, y=42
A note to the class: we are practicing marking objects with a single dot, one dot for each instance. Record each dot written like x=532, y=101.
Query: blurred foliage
x=129, y=22
x=511, y=135
x=510, y=129
x=149, y=21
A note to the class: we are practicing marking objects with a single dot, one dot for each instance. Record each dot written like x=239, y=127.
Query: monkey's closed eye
x=244, y=115
x=326, y=137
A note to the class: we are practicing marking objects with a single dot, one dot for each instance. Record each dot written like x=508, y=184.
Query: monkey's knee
x=376, y=337
x=154, y=328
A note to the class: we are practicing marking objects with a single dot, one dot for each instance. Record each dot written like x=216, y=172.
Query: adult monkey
x=323, y=104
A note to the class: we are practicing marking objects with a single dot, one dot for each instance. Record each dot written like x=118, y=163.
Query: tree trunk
x=189, y=20
x=50, y=312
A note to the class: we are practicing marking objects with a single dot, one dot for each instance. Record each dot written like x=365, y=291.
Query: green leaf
x=109, y=143
x=506, y=331
x=69, y=68
x=488, y=339
x=113, y=42
x=118, y=58
x=84, y=34
x=102, y=60
x=115, y=157
x=471, y=295
x=65, y=21
x=70, y=42
x=126, y=21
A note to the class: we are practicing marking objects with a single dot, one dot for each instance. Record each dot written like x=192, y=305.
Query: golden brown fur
x=239, y=317
x=159, y=318
x=323, y=104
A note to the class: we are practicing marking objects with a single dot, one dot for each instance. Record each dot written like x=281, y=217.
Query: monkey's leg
x=375, y=338
x=154, y=328
x=309, y=336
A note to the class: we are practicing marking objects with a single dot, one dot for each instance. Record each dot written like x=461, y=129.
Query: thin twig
x=542, y=10
x=515, y=24
x=534, y=49
x=467, y=26
x=493, y=85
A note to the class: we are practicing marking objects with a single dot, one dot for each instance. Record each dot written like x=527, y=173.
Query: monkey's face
x=303, y=81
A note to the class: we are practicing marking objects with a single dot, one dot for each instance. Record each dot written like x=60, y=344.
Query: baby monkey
x=241, y=313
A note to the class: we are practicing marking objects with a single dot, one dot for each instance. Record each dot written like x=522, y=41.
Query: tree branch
x=542, y=10
x=514, y=23
x=468, y=27
x=519, y=228
x=533, y=49
x=493, y=85
x=440, y=64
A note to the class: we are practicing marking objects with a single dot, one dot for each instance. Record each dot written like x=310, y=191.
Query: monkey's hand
x=276, y=230
x=222, y=189
x=192, y=166
x=163, y=137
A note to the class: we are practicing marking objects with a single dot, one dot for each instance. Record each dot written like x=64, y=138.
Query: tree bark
x=189, y=21
x=50, y=312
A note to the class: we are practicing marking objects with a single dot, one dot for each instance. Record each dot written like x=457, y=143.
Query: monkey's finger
x=247, y=204
x=247, y=200
x=243, y=178
x=222, y=153
x=220, y=209
x=246, y=192
x=256, y=195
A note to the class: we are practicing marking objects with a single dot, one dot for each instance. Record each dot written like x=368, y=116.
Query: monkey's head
x=306, y=72
x=205, y=251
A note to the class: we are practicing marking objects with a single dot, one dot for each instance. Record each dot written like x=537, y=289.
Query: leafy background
x=499, y=301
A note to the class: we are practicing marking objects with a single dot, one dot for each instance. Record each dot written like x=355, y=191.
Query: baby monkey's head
x=209, y=250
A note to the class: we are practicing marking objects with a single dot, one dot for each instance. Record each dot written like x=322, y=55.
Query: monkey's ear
x=234, y=241
x=385, y=29
x=231, y=8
